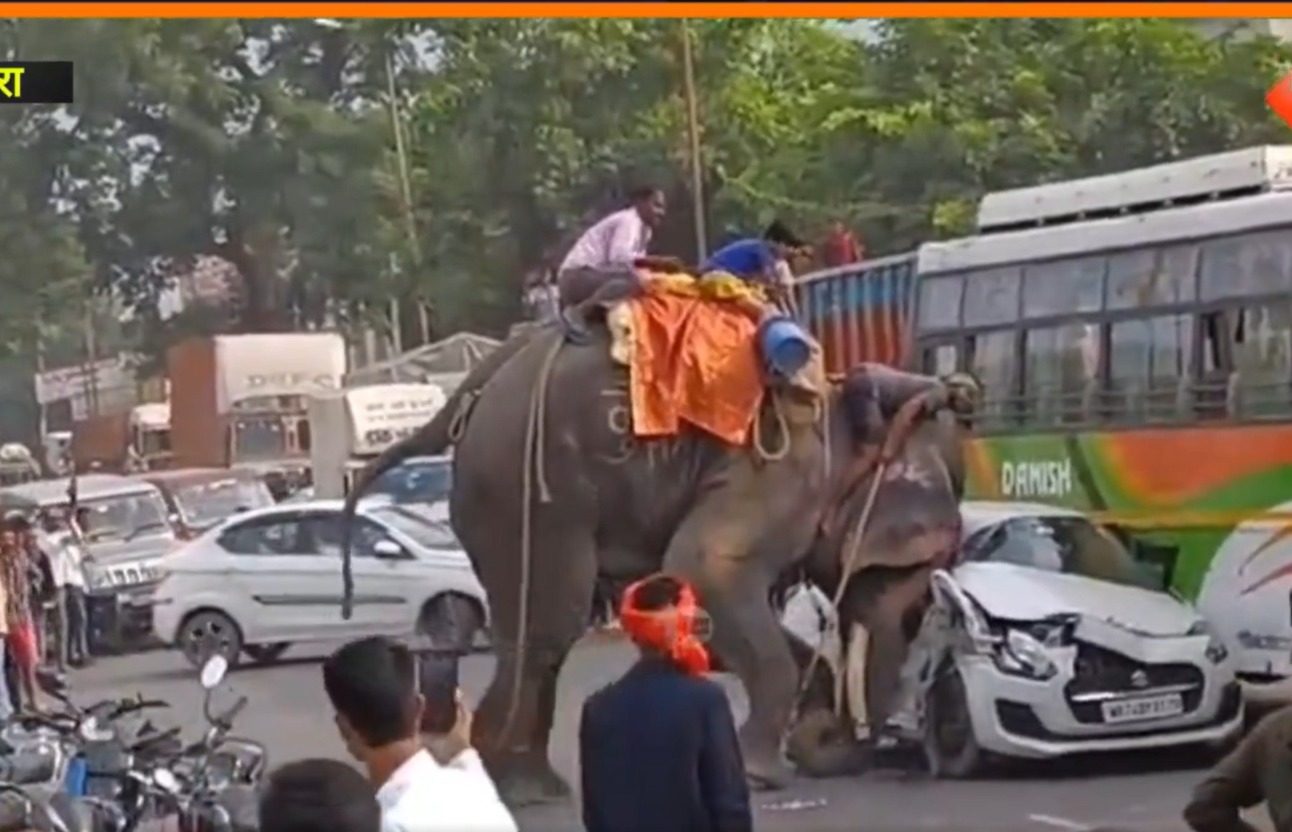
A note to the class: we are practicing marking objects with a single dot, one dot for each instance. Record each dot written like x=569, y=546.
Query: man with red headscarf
x=658, y=747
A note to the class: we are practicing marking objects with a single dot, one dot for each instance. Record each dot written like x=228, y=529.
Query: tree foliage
x=272, y=143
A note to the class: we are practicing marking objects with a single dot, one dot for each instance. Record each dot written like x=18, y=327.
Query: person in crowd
x=20, y=638
x=763, y=260
x=66, y=554
x=373, y=687
x=10, y=690
x=1258, y=770
x=600, y=267
x=658, y=748
x=318, y=796
x=841, y=246
x=41, y=579
x=617, y=240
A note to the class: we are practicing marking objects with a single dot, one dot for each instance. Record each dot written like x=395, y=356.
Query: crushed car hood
x=1021, y=593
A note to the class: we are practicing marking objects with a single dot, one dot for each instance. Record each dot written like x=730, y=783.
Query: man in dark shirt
x=1259, y=769
x=658, y=747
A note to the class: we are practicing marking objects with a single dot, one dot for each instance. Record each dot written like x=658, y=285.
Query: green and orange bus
x=1133, y=335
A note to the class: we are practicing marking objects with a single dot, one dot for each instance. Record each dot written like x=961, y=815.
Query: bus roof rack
x=1190, y=181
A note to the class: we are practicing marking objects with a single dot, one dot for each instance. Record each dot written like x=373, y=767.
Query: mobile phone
x=437, y=676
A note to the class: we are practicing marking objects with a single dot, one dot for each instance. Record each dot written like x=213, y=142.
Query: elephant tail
x=435, y=437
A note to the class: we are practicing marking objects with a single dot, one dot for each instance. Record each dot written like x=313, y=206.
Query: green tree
x=950, y=109
x=253, y=141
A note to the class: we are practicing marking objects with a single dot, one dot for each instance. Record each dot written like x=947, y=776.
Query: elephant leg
x=750, y=642
x=513, y=723
x=889, y=602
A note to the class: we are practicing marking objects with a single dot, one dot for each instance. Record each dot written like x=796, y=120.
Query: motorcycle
x=214, y=785
x=142, y=781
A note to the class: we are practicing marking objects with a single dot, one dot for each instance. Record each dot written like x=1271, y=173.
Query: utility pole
x=42, y=409
x=91, y=360
x=406, y=190
x=693, y=135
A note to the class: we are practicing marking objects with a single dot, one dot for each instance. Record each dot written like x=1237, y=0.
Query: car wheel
x=266, y=653
x=450, y=622
x=950, y=746
x=207, y=633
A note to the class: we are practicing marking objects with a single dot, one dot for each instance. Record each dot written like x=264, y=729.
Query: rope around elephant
x=535, y=465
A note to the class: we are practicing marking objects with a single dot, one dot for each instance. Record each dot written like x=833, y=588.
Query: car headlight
x=1216, y=651
x=1022, y=655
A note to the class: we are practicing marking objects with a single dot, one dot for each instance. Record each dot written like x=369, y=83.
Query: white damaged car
x=1046, y=639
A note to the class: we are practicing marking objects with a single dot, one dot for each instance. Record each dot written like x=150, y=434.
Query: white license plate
x=1146, y=707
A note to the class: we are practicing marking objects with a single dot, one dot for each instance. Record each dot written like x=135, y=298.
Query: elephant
x=877, y=559
x=552, y=492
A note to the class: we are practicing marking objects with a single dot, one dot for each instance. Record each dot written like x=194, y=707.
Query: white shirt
x=617, y=240
x=65, y=558
x=423, y=796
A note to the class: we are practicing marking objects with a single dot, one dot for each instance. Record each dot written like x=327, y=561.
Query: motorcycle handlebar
x=227, y=718
x=140, y=705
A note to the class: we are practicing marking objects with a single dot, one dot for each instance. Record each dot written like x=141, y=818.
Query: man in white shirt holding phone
x=374, y=688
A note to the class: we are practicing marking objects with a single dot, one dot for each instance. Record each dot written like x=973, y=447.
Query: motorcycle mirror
x=89, y=729
x=213, y=671
x=165, y=780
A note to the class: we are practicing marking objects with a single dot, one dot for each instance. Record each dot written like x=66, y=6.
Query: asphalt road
x=288, y=711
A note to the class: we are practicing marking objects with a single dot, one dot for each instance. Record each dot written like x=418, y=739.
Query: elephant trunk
x=435, y=437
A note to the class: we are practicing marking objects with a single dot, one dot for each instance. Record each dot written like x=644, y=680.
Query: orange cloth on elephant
x=693, y=360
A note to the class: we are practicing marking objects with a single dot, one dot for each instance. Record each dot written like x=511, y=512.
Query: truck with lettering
x=352, y=426
x=243, y=400
x=137, y=439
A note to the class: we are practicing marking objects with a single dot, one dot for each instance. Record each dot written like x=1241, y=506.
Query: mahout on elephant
x=552, y=491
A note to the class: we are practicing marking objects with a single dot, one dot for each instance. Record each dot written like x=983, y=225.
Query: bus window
x=940, y=302
x=1245, y=265
x=1260, y=337
x=992, y=297
x=994, y=364
x=1148, y=358
x=1132, y=279
x=1063, y=287
x=1060, y=364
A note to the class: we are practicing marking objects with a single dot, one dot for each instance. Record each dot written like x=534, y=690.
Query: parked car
x=198, y=499
x=1047, y=639
x=269, y=578
x=419, y=480
x=128, y=532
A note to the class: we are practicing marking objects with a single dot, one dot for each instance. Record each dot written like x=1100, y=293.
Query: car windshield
x=258, y=437
x=125, y=517
x=419, y=481
x=211, y=502
x=421, y=528
x=1061, y=544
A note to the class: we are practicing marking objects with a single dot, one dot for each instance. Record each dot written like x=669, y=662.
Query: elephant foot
x=823, y=744
x=767, y=772
x=530, y=783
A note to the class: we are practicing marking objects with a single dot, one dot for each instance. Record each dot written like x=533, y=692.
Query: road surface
x=289, y=712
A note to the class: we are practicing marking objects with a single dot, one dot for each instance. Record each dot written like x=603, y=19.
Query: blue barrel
x=785, y=346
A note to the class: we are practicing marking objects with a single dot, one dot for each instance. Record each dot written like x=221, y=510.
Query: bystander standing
x=658, y=747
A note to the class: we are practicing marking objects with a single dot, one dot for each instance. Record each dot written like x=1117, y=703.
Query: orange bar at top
x=646, y=9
